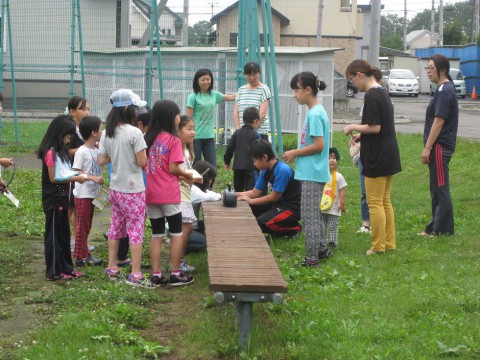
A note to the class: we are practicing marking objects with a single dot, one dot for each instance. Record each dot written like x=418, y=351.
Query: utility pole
x=476, y=24
x=440, y=22
x=185, y=22
x=374, y=46
x=318, y=42
x=405, y=26
x=432, y=22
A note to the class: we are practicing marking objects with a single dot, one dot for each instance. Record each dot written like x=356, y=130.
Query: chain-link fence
x=54, y=49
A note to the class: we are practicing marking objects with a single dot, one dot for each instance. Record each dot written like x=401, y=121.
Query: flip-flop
x=423, y=233
x=124, y=263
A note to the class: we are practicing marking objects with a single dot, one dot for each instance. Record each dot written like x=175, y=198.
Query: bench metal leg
x=244, y=314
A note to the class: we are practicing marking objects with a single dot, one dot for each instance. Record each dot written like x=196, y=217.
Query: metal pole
x=432, y=22
x=266, y=41
x=2, y=64
x=319, y=24
x=72, y=51
x=276, y=102
x=241, y=43
x=477, y=21
x=374, y=48
x=405, y=26
x=80, y=44
x=12, y=73
x=153, y=5
x=440, y=22
x=185, y=22
x=159, y=58
x=244, y=311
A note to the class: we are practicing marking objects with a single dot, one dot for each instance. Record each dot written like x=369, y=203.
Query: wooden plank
x=239, y=257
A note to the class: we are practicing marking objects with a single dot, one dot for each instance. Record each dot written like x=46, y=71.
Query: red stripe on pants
x=439, y=165
x=273, y=223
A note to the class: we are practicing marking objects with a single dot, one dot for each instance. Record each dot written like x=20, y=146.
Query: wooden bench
x=241, y=266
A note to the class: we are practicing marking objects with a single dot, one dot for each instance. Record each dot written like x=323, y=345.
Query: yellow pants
x=382, y=218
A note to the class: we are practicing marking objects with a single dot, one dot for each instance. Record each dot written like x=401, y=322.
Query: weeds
x=419, y=302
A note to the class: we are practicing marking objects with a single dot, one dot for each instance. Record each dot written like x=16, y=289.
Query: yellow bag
x=328, y=196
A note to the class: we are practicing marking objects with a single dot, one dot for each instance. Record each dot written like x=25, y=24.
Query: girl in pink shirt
x=164, y=155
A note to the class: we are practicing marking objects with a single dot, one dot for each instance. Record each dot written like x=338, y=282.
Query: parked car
x=402, y=82
x=351, y=89
x=458, y=81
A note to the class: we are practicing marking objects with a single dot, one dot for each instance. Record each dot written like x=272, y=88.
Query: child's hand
x=198, y=181
x=244, y=198
x=228, y=167
x=289, y=156
x=97, y=179
x=6, y=162
x=348, y=129
x=188, y=177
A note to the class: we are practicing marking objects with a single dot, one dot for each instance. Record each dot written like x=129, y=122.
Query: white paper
x=12, y=198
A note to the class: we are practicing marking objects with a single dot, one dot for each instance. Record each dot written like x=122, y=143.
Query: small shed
x=109, y=70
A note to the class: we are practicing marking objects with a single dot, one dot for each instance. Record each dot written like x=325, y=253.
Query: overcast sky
x=202, y=9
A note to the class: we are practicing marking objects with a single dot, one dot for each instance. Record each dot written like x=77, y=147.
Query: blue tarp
x=469, y=56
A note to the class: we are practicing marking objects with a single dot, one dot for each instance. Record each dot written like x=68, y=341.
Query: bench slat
x=234, y=239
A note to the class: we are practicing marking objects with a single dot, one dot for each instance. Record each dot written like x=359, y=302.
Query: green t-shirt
x=203, y=105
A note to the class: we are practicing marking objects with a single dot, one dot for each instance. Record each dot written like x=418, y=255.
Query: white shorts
x=157, y=211
x=188, y=216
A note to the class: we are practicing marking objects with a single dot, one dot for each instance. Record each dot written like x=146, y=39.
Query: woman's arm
x=229, y=97
x=236, y=117
x=432, y=137
x=362, y=128
x=264, y=110
x=189, y=111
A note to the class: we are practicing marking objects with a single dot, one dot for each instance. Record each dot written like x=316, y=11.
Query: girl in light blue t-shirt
x=312, y=165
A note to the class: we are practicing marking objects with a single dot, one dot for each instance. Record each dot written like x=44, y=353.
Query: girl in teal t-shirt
x=312, y=165
x=201, y=107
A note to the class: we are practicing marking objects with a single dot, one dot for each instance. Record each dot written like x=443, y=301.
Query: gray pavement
x=410, y=115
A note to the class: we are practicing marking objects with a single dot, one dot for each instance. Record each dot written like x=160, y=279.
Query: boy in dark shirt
x=277, y=212
x=239, y=145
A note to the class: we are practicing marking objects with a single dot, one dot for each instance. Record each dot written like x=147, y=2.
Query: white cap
x=125, y=97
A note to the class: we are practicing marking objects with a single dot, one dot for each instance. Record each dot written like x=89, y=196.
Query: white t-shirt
x=86, y=160
x=122, y=150
x=341, y=183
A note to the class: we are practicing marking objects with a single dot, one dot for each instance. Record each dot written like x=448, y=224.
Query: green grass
x=420, y=302
x=30, y=133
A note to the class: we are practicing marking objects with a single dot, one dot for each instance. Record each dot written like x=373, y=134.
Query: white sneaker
x=364, y=230
x=91, y=247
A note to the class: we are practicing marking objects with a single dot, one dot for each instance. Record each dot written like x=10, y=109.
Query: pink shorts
x=127, y=213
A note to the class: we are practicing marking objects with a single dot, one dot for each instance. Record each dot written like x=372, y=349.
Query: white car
x=458, y=81
x=402, y=82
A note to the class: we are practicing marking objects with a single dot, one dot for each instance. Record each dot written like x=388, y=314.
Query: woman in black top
x=380, y=155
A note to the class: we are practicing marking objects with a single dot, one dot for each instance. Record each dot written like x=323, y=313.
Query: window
x=233, y=39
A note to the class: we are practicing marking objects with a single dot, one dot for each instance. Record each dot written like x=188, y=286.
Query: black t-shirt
x=292, y=194
x=54, y=196
x=444, y=104
x=379, y=152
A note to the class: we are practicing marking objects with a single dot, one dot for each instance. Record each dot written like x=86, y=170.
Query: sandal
x=124, y=263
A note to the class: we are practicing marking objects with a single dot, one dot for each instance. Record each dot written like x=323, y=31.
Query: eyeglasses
x=351, y=77
x=431, y=68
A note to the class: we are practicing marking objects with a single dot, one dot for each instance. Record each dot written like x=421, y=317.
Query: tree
x=391, y=24
x=459, y=14
x=199, y=34
x=392, y=42
x=452, y=35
